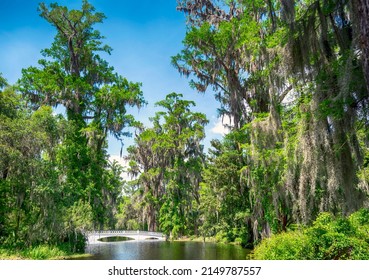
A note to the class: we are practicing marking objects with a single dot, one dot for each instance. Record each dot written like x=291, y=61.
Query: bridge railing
x=127, y=232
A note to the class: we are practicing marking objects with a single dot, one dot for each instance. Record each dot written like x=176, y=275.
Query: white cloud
x=219, y=127
x=119, y=159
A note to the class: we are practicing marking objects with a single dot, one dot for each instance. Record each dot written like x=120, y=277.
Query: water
x=163, y=250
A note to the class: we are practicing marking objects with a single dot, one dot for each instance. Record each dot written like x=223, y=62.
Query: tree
x=232, y=47
x=31, y=208
x=213, y=48
x=225, y=209
x=331, y=100
x=360, y=15
x=289, y=74
x=73, y=75
x=167, y=159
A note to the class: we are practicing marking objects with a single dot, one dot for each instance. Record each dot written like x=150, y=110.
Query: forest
x=289, y=180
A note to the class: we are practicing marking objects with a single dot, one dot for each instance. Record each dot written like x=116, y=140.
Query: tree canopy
x=293, y=78
x=57, y=180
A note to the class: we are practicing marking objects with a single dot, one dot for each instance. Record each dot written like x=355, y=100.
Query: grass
x=40, y=252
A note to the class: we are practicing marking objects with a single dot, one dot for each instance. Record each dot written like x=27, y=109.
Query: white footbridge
x=95, y=236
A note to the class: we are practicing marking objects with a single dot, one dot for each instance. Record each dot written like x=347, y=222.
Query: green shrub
x=360, y=220
x=238, y=240
x=329, y=238
x=338, y=239
x=285, y=246
x=221, y=237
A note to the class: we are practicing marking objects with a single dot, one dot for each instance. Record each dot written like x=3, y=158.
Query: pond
x=165, y=250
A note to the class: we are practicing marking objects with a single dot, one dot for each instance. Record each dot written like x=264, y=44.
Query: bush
x=238, y=240
x=329, y=238
x=222, y=237
x=360, y=220
x=285, y=246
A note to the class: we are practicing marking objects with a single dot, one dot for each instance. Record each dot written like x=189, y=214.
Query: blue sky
x=143, y=34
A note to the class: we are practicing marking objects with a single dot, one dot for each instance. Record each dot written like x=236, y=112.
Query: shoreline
x=39, y=253
x=17, y=257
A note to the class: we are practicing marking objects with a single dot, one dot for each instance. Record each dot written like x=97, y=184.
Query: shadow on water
x=162, y=250
x=115, y=239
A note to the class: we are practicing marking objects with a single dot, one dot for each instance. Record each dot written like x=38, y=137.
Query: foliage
x=292, y=76
x=29, y=186
x=167, y=161
x=37, y=252
x=283, y=246
x=95, y=98
x=43, y=252
x=224, y=205
x=327, y=239
x=56, y=180
x=289, y=76
x=127, y=213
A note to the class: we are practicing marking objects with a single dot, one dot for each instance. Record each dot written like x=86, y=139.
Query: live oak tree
x=360, y=14
x=231, y=47
x=291, y=74
x=332, y=103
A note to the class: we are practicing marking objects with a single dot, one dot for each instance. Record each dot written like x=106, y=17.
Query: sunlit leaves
x=73, y=75
x=167, y=159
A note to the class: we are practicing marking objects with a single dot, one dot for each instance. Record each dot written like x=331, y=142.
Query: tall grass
x=39, y=252
x=43, y=252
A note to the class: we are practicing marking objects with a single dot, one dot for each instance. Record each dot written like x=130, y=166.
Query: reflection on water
x=160, y=250
x=114, y=239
